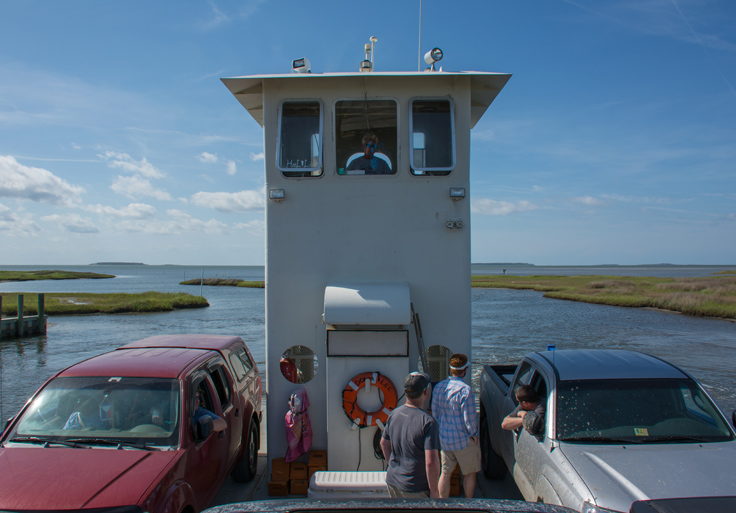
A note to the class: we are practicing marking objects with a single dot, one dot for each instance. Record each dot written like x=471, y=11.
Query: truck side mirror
x=204, y=427
x=733, y=418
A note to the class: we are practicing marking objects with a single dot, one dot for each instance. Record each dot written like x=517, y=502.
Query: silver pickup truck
x=621, y=429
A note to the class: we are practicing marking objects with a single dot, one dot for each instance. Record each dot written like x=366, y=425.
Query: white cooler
x=348, y=485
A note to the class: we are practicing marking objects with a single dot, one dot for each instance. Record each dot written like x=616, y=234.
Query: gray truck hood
x=617, y=475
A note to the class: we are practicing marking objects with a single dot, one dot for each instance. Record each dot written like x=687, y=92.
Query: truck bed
x=501, y=372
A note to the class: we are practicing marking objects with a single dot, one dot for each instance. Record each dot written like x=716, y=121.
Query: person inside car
x=529, y=413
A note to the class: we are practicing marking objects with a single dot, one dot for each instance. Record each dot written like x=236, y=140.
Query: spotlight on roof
x=433, y=56
x=301, y=65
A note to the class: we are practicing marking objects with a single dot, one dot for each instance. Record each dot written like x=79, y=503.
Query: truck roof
x=211, y=342
x=579, y=364
x=138, y=362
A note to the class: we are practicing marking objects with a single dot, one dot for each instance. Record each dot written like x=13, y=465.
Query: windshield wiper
x=603, y=439
x=46, y=442
x=111, y=441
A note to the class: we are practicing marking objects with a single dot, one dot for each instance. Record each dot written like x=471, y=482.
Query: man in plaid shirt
x=453, y=405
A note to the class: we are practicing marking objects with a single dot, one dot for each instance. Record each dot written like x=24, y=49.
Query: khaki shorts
x=468, y=458
x=395, y=493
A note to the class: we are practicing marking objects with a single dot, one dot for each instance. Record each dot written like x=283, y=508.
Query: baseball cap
x=415, y=383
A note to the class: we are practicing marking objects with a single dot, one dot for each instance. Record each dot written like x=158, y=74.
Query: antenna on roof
x=419, y=51
x=367, y=64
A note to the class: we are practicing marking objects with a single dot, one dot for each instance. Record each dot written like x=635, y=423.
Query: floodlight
x=277, y=194
x=432, y=56
x=457, y=193
x=301, y=65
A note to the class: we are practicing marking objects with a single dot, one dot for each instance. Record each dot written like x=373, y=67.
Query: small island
x=77, y=303
x=51, y=275
x=224, y=282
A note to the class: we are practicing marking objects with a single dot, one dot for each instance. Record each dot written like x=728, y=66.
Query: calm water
x=506, y=324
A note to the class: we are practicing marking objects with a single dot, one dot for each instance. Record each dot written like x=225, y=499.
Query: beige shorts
x=468, y=458
x=395, y=493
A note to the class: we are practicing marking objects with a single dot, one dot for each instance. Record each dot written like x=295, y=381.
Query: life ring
x=361, y=417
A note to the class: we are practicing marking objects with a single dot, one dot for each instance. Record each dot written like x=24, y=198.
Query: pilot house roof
x=484, y=86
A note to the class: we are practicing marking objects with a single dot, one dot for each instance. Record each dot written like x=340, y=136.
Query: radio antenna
x=419, y=51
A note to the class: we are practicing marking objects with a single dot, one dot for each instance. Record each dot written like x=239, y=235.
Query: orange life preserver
x=350, y=399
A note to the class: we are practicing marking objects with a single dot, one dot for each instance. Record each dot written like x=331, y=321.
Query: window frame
x=302, y=172
x=432, y=171
x=335, y=137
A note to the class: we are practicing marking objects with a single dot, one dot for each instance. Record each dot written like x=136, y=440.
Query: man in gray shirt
x=529, y=413
x=411, y=442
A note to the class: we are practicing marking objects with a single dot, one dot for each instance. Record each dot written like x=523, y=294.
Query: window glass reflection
x=300, y=140
x=298, y=364
x=432, y=137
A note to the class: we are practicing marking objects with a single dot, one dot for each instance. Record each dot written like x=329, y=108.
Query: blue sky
x=614, y=141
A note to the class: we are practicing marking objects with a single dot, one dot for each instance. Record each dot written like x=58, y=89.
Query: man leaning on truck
x=453, y=405
x=529, y=413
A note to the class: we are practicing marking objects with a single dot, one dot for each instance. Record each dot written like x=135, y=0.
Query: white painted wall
x=380, y=228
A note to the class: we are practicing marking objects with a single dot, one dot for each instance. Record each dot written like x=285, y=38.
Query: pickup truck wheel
x=492, y=464
x=246, y=467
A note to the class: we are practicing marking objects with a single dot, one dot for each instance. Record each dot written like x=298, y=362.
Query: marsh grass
x=73, y=303
x=224, y=282
x=711, y=296
x=50, y=275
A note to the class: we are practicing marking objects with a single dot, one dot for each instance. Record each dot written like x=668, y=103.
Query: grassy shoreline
x=713, y=296
x=79, y=303
x=50, y=275
x=224, y=282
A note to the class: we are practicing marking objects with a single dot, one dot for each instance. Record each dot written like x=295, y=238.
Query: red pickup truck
x=117, y=432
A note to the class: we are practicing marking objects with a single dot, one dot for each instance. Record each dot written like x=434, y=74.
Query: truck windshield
x=637, y=411
x=103, y=411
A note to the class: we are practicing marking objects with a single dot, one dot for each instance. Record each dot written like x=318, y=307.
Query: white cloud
x=178, y=222
x=134, y=187
x=14, y=225
x=500, y=208
x=219, y=17
x=230, y=201
x=35, y=184
x=5, y=213
x=126, y=162
x=208, y=158
x=635, y=199
x=255, y=157
x=589, y=201
x=256, y=227
x=132, y=210
x=232, y=167
x=72, y=223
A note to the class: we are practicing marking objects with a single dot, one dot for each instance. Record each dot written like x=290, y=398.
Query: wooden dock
x=21, y=325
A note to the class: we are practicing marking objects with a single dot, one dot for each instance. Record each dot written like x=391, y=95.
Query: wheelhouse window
x=300, y=139
x=365, y=137
x=432, y=137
